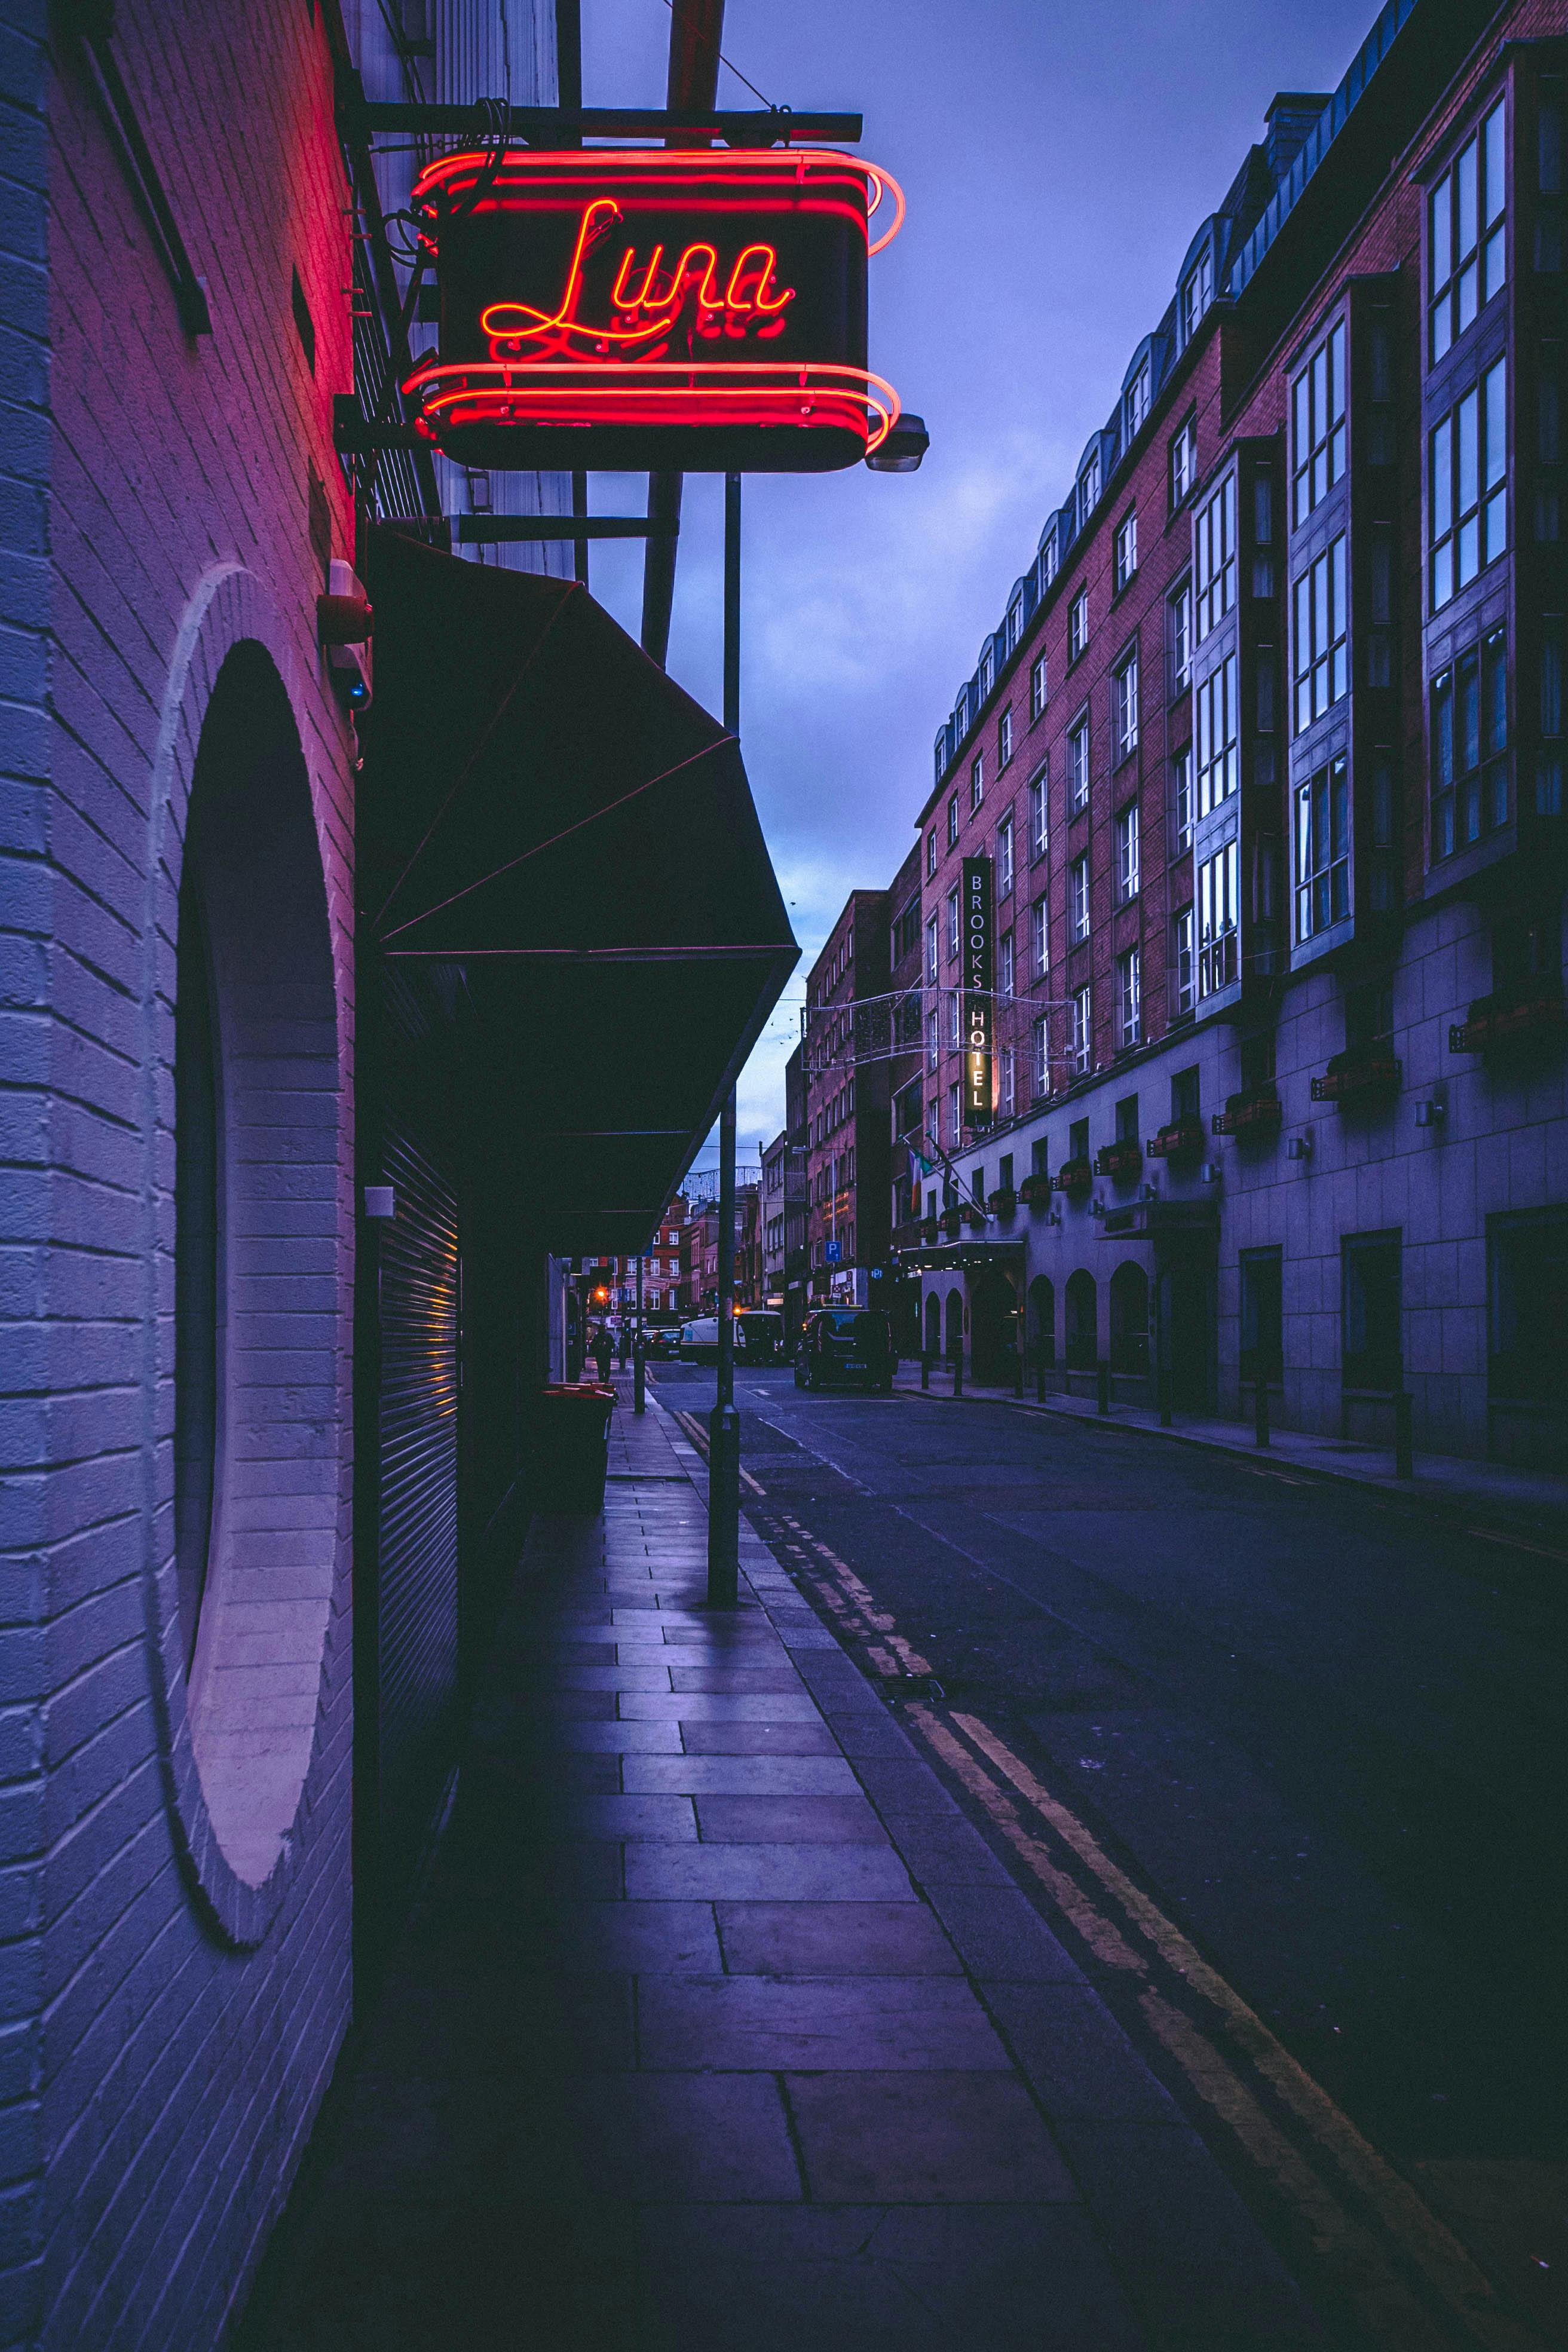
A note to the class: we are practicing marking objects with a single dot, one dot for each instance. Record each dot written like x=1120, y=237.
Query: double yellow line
x=1374, y=2236
x=1369, y=2242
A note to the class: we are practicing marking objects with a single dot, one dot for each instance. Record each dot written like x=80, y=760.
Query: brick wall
x=175, y=2024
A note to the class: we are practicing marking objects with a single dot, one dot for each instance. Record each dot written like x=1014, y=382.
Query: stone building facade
x=1266, y=756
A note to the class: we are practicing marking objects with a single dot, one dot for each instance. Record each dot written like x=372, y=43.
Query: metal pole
x=1404, y=1436
x=724, y=1425
x=1102, y=1386
x=639, y=1354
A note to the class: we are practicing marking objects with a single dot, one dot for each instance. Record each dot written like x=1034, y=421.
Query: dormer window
x=987, y=672
x=1048, y=562
x=1197, y=293
x=939, y=755
x=1467, y=252
x=1137, y=400
x=1014, y=628
x=1088, y=490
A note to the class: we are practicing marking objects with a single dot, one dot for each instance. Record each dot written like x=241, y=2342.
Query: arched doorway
x=994, y=1329
x=954, y=1323
x=1129, y=1319
x=1083, y=1322
x=1187, y=1331
x=933, y=1324
x=1043, y=1319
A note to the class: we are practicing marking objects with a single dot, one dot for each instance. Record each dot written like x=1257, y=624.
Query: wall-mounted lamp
x=1298, y=1147
x=1148, y=1192
x=1431, y=1113
x=1054, y=1217
x=1096, y=1207
x=1211, y=1171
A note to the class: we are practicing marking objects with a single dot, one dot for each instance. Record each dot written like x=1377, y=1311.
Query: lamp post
x=724, y=1423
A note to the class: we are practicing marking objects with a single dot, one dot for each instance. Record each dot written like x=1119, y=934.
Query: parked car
x=759, y=1335
x=664, y=1341
x=700, y=1340
x=847, y=1347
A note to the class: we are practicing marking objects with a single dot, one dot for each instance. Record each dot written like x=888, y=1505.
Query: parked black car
x=847, y=1347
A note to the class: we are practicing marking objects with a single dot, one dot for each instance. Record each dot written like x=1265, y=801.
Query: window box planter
x=1183, y=1138
x=1035, y=1192
x=1120, y=1162
x=1502, y=1020
x=949, y=1222
x=1361, y=1074
x=1074, y=1177
x=930, y=1229
x=1002, y=1201
x=910, y=1234
x=973, y=1212
x=1254, y=1116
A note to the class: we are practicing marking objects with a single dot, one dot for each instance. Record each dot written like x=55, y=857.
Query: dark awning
x=548, y=819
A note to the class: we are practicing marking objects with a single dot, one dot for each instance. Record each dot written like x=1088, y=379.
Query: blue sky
x=1057, y=160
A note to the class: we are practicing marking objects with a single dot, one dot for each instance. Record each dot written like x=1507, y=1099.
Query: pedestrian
x=604, y=1351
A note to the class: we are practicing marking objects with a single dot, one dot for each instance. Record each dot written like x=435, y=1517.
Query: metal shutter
x=417, y=1615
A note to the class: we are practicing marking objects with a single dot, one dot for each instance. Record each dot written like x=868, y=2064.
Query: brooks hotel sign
x=979, y=962
x=697, y=310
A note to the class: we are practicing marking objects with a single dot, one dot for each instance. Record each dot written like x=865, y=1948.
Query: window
x=1082, y=1035
x=931, y=851
x=1077, y=766
x=1077, y=901
x=1045, y=561
x=1217, y=744
x=1262, y=530
x=1372, y=1355
x=953, y=821
x=986, y=674
x=1127, y=853
x=907, y=931
x=1137, y=401
x=1004, y=858
x=1182, y=800
x=1088, y=490
x=1179, y=637
x=1467, y=255
x=1126, y=551
x=952, y=1020
x=1038, y=816
x=1013, y=629
x=1005, y=738
x=1214, y=559
x=1322, y=659
x=952, y=924
x=1042, y=1058
x=1130, y=981
x=1124, y=706
x=1219, y=889
x=1549, y=759
x=1184, y=463
x=976, y=782
x=930, y=949
x=933, y=1040
x=1318, y=425
x=1469, y=745
x=1262, y=1317
x=1182, y=959
x=939, y=755
x=1037, y=689
x=1197, y=293
x=1077, y=625
x=1008, y=1089
x=954, y=1114
x=1039, y=940
x=1006, y=967
x=1323, y=849
x=1468, y=486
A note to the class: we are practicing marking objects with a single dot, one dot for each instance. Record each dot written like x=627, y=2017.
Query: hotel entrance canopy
x=567, y=843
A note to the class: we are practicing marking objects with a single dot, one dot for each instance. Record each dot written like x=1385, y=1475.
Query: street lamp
x=900, y=451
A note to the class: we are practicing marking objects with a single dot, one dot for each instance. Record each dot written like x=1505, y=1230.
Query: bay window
x=1470, y=745
x=1468, y=490
x=1214, y=559
x=1217, y=741
x=1318, y=425
x=1321, y=621
x=1467, y=237
x=1323, y=849
x=1219, y=893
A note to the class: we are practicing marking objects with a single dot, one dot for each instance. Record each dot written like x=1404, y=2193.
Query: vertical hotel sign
x=700, y=310
x=979, y=955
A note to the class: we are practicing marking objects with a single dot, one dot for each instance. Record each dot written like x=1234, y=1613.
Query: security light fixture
x=1212, y=1171
x=1298, y=1147
x=902, y=450
x=1431, y=1113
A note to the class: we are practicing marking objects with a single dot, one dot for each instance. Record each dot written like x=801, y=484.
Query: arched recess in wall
x=248, y=1209
x=1043, y=1318
x=1082, y=1332
x=933, y=1324
x=1129, y=1318
x=955, y=1322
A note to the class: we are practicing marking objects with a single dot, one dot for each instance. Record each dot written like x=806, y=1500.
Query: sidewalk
x=1532, y=1502
x=694, y=2038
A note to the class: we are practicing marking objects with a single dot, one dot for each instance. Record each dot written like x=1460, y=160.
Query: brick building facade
x=846, y=1069
x=1266, y=757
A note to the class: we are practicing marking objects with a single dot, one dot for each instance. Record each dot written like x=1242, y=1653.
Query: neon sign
x=979, y=958
x=699, y=309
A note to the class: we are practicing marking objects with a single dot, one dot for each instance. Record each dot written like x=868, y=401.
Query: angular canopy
x=550, y=822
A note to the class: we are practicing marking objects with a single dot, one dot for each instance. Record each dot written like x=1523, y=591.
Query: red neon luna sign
x=698, y=310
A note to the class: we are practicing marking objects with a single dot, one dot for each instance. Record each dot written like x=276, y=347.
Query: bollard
x=925, y=1368
x=1018, y=1373
x=1102, y=1388
x=1040, y=1377
x=958, y=1373
x=1403, y=1437
x=1162, y=1387
x=1261, y=1410
x=639, y=1374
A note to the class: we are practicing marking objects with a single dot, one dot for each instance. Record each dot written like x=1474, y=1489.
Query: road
x=1290, y=1742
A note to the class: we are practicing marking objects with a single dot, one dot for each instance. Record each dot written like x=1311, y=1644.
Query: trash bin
x=570, y=1446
